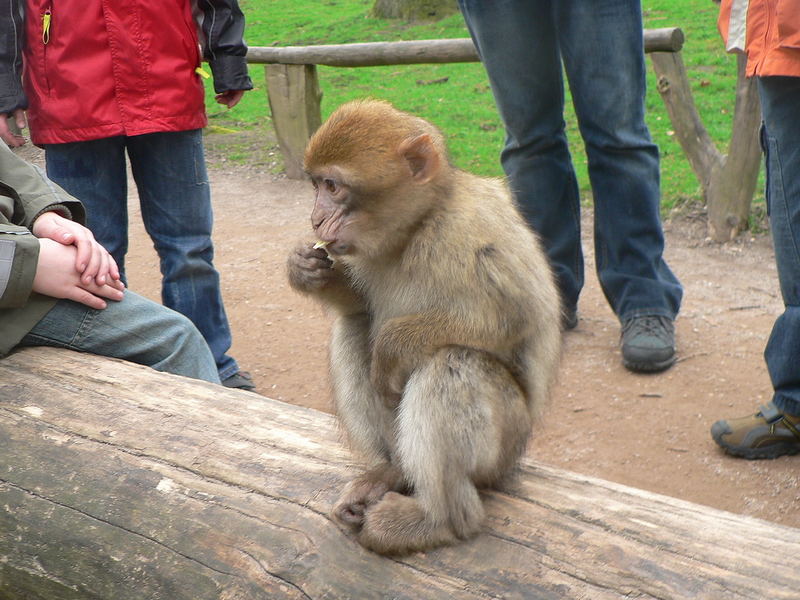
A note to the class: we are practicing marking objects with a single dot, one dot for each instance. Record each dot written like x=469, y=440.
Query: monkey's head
x=376, y=173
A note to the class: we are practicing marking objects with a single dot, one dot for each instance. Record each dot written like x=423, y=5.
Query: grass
x=457, y=97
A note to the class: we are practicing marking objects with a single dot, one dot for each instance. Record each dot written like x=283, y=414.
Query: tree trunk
x=118, y=482
x=413, y=10
x=728, y=181
x=733, y=182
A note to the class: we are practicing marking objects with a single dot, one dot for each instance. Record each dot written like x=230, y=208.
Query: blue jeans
x=170, y=174
x=780, y=138
x=523, y=44
x=134, y=329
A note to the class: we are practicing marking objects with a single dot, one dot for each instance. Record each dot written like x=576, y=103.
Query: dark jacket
x=100, y=68
x=25, y=193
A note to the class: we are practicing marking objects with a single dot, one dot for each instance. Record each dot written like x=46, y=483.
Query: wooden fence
x=293, y=85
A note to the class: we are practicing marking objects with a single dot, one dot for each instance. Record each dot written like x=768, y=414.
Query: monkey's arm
x=311, y=272
x=404, y=342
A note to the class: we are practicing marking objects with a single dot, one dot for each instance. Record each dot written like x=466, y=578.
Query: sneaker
x=241, y=380
x=648, y=343
x=767, y=434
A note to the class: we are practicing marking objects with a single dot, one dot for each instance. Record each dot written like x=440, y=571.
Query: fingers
x=12, y=139
x=95, y=296
x=109, y=291
x=90, y=300
x=92, y=261
x=230, y=98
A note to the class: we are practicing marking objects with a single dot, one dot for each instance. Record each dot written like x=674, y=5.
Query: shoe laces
x=655, y=325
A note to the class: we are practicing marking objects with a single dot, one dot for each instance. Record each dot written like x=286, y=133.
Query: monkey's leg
x=462, y=422
x=365, y=417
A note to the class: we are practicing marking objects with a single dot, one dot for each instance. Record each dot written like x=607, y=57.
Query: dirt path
x=649, y=432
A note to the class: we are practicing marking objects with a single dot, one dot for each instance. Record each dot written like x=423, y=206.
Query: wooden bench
x=293, y=85
x=117, y=482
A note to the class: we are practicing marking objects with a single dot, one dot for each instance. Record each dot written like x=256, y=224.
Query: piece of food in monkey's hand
x=323, y=245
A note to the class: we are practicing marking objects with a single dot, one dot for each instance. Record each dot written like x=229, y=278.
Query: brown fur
x=448, y=335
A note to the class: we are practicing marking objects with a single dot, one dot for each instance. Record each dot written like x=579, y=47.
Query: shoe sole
x=773, y=451
x=649, y=367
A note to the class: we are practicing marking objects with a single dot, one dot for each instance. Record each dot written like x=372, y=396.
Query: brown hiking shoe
x=767, y=434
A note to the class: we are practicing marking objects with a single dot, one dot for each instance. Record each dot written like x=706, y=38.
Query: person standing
x=523, y=45
x=769, y=32
x=105, y=79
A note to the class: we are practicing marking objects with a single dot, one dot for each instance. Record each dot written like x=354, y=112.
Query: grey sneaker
x=241, y=380
x=648, y=343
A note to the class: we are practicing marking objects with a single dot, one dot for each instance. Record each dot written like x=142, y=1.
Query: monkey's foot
x=398, y=525
x=364, y=492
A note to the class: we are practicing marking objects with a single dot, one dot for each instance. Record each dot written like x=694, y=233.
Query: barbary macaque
x=447, y=336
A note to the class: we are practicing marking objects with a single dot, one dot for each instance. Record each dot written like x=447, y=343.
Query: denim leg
x=780, y=97
x=517, y=43
x=94, y=172
x=134, y=329
x=602, y=48
x=170, y=174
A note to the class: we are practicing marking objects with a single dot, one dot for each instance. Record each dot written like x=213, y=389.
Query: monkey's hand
x=310, y=270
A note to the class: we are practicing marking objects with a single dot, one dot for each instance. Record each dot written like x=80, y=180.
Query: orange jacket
x=768, y=30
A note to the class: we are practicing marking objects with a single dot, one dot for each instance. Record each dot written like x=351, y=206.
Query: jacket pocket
x=789, y=23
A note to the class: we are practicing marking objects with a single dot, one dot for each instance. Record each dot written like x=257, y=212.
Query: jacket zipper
x=47, y=18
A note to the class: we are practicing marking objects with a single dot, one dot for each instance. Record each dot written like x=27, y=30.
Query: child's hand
x=92, y=261
x=57, y=276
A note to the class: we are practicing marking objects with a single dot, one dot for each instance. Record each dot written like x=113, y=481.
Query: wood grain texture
x=120, y=482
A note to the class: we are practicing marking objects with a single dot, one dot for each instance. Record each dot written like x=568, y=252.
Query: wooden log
x=120, y=482
x=294, y=101
x=372, y=54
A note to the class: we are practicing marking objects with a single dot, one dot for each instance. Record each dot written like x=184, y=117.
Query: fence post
x=294, y=99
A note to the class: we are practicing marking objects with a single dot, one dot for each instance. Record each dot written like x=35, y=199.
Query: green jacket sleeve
x=25, y=193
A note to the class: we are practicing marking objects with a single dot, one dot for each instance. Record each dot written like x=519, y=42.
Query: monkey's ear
x=422, y=157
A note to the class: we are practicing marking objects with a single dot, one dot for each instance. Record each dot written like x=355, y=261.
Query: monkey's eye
x=330, y=186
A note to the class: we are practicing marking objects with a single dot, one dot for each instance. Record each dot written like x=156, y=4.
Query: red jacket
x=102, y=68
x=768, y=30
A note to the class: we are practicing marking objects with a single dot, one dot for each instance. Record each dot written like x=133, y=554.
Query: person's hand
x=56, y=276
x=12, y=139
x=92, y=261
x=230, y=98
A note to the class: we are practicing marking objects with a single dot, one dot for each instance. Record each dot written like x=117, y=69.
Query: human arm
x=32, y=205
x=221, y=28
x=12, y=98
x=29, y=264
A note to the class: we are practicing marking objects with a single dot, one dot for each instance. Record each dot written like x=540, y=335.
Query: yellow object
x=202, y=72
x=218, y=129
x=46, y=18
